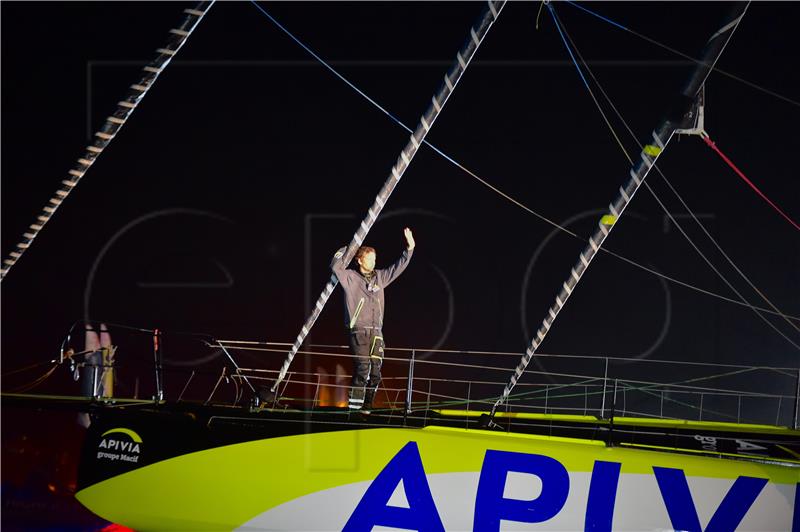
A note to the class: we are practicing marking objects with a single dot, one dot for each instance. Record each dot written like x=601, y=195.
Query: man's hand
x=409, y=239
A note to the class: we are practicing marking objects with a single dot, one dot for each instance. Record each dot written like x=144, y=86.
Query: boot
x=356, y=401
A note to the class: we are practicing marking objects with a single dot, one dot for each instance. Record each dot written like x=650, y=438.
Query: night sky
x=218, y=206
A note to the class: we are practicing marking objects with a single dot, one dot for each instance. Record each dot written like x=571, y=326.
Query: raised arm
x=387, y=275
x=338, y=267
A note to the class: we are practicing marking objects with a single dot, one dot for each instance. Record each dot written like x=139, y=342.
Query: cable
x=497, y=190
x=685, y=56
x=711, y=144
x=565, y=36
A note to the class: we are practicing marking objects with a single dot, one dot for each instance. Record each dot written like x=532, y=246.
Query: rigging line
x=25, y=368
x=713, y=145
x=497, y=190
x=112, y=125
x=671, y=187
x=662, y=135
x=685, y=56
x=452, y=77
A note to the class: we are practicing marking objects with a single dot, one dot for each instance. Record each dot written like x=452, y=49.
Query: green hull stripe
x=634, y=421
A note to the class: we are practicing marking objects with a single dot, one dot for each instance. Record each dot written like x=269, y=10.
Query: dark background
x=217, y=207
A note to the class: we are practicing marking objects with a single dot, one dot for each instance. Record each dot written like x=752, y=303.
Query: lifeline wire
x=674, y=191
x=685, y=56
x=112, y=126
x=440, y=98
x=503, y=194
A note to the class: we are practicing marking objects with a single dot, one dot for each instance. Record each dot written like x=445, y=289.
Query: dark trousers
x=367, y=348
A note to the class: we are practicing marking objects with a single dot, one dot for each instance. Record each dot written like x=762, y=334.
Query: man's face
x=367, y=262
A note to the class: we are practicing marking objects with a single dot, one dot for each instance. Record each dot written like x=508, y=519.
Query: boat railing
x=462, y=382
x=600, y=386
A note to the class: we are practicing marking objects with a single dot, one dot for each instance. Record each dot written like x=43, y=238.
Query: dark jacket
x=363, y=298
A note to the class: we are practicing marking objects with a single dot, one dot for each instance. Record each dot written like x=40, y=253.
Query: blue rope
x=601, y=17
x=326, y=65
x=564, y=39
x=370, y=100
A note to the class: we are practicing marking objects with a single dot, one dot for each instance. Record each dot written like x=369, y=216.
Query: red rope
x=713, y=146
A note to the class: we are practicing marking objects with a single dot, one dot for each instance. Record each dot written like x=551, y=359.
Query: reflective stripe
x=448, y=83
x=624, y=195
x=635, y=177
x=436, y=104
x=492, y=9
x=474, y=37
x=358, y=311
x=374, y=341
x=461, y=61
x=424, y=123
x=658, y=140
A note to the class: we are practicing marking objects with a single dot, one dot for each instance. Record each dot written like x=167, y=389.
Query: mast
x=684, y=114
x=451, y=79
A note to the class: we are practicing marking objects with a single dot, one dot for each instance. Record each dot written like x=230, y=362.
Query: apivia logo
x=119, y=444
x=492, y=506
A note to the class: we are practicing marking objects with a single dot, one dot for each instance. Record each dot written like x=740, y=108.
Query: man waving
x=364, y=308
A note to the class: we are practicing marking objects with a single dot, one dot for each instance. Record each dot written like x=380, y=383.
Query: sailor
x=364, y=307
